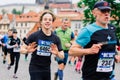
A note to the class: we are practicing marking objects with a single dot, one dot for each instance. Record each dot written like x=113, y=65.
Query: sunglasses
x=105, y=10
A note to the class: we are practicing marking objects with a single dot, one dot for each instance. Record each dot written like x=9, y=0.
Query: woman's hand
x=54, y=49
x=31, y=47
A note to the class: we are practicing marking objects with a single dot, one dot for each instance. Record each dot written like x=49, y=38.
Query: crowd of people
x=96, y=43
x=11, y=47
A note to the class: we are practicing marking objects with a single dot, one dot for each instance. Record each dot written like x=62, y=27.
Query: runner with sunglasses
x=97, y=42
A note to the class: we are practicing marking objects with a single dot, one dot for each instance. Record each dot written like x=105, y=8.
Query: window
x=16, y=24
x=25, y=31
x=25, y=24
x=28, y=16
x=7, y=26
x=20, y=31
x=0, y=26
x=3, y=26
x=76, y=26
x=21, y=24
x=79, y=26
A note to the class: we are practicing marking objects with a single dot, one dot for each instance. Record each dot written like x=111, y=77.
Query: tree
x=14, y=11
x=4, y=11
x=89, y=18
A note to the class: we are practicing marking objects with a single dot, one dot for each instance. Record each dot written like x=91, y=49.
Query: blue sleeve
x=86, y=33
x=6, y=39
x=72, y=36
x=83, y=37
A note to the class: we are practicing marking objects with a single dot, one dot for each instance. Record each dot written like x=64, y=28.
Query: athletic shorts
x=63, y=60
x=38, y=74
x=4, y=49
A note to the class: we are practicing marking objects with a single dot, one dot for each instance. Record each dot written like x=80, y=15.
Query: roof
x=35, y=28
x=0, y=17
x=66, y=5
x=28, y=17
x=57, y=22
x=73, y=15
x=10, y=17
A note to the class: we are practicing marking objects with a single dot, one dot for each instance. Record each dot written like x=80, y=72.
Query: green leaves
x=115, y=13
x=14, y=11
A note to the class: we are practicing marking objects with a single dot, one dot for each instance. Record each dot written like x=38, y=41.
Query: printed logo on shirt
x=9, y=40
x=43, y=48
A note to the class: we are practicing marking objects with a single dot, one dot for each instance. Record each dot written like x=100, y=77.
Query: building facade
x=52, y=1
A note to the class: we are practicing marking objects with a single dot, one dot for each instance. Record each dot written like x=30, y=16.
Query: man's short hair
x=65, y=19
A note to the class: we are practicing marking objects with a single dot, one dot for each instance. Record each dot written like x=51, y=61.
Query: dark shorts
x=39, y=74
x=63, y=60
x=97, y=79
x=4, y=49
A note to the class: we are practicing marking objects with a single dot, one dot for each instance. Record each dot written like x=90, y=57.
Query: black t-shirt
x=13, y=42
x=9, y=43
x=42, y=56
x=94, y=66
x=24, y=39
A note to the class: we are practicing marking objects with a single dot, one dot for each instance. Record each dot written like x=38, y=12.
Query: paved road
x=69, y=73
x=23, y=74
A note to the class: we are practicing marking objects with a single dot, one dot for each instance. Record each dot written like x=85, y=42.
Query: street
x=69, y=72
x=23, y=74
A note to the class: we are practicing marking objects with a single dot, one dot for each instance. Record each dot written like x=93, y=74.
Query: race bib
x=17, y=49
x=105, y=62
x=43, y=48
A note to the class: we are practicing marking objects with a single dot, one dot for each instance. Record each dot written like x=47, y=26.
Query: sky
x=4, y=2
